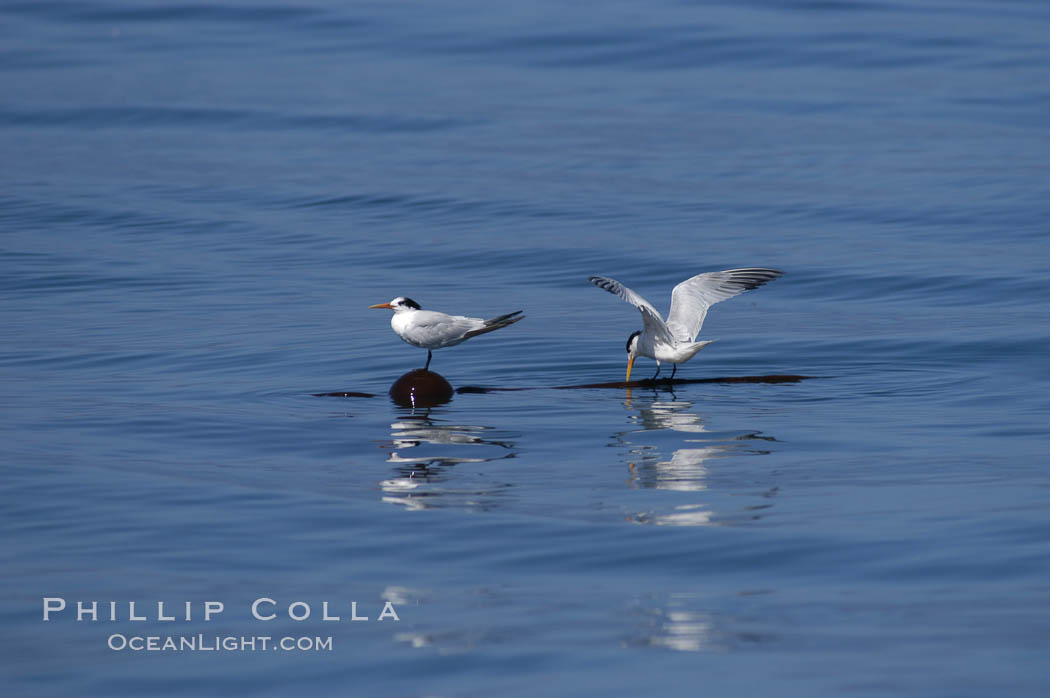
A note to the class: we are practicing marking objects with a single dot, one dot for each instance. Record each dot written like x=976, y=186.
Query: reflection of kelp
x=683, y=469
x=423, y=450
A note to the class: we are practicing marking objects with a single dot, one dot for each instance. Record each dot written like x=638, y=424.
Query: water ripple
x=193, y=118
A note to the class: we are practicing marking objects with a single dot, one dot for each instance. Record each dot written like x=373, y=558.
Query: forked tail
x=697, y=346
x=496, y=323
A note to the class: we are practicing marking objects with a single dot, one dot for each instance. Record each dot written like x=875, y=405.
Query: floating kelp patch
x=343, y=393
x=651, y=383
x=423, y=388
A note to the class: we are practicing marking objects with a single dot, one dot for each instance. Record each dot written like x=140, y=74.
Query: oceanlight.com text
x=217, y=643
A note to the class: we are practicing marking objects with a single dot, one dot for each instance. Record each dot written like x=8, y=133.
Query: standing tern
x=429, y=329
x=675, y=340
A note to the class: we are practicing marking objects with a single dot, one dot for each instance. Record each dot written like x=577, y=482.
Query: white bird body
x=672, y=352
x=430, y=329
x=674, y=340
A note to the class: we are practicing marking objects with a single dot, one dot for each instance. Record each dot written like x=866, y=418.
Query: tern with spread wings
x=674, y=341
x=429, y=329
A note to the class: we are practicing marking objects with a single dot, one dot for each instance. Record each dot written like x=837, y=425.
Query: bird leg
x=429, y=355
x=674, y=370
x=657, y=371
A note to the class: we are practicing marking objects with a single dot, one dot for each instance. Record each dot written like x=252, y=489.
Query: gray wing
x=651, y=319
x=437, y=330
x=691, y=298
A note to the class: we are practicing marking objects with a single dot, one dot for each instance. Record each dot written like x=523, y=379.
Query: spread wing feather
x=691, y=298
x=654, y=323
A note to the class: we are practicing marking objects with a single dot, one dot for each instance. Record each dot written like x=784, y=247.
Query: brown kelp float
x=421, y=388
x=417, y=388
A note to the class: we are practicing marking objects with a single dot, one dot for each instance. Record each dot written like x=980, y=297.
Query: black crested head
x=409, y=303
x=631, y=339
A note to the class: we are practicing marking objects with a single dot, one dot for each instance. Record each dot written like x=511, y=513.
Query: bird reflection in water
x=685, y=469
x=685, y=631
x=677, y=623
x=424, y=448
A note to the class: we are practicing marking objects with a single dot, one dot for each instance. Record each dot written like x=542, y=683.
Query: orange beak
x=630, y=365
x=381, y=305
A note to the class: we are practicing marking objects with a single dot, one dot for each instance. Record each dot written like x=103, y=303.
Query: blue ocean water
x=199, y=202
